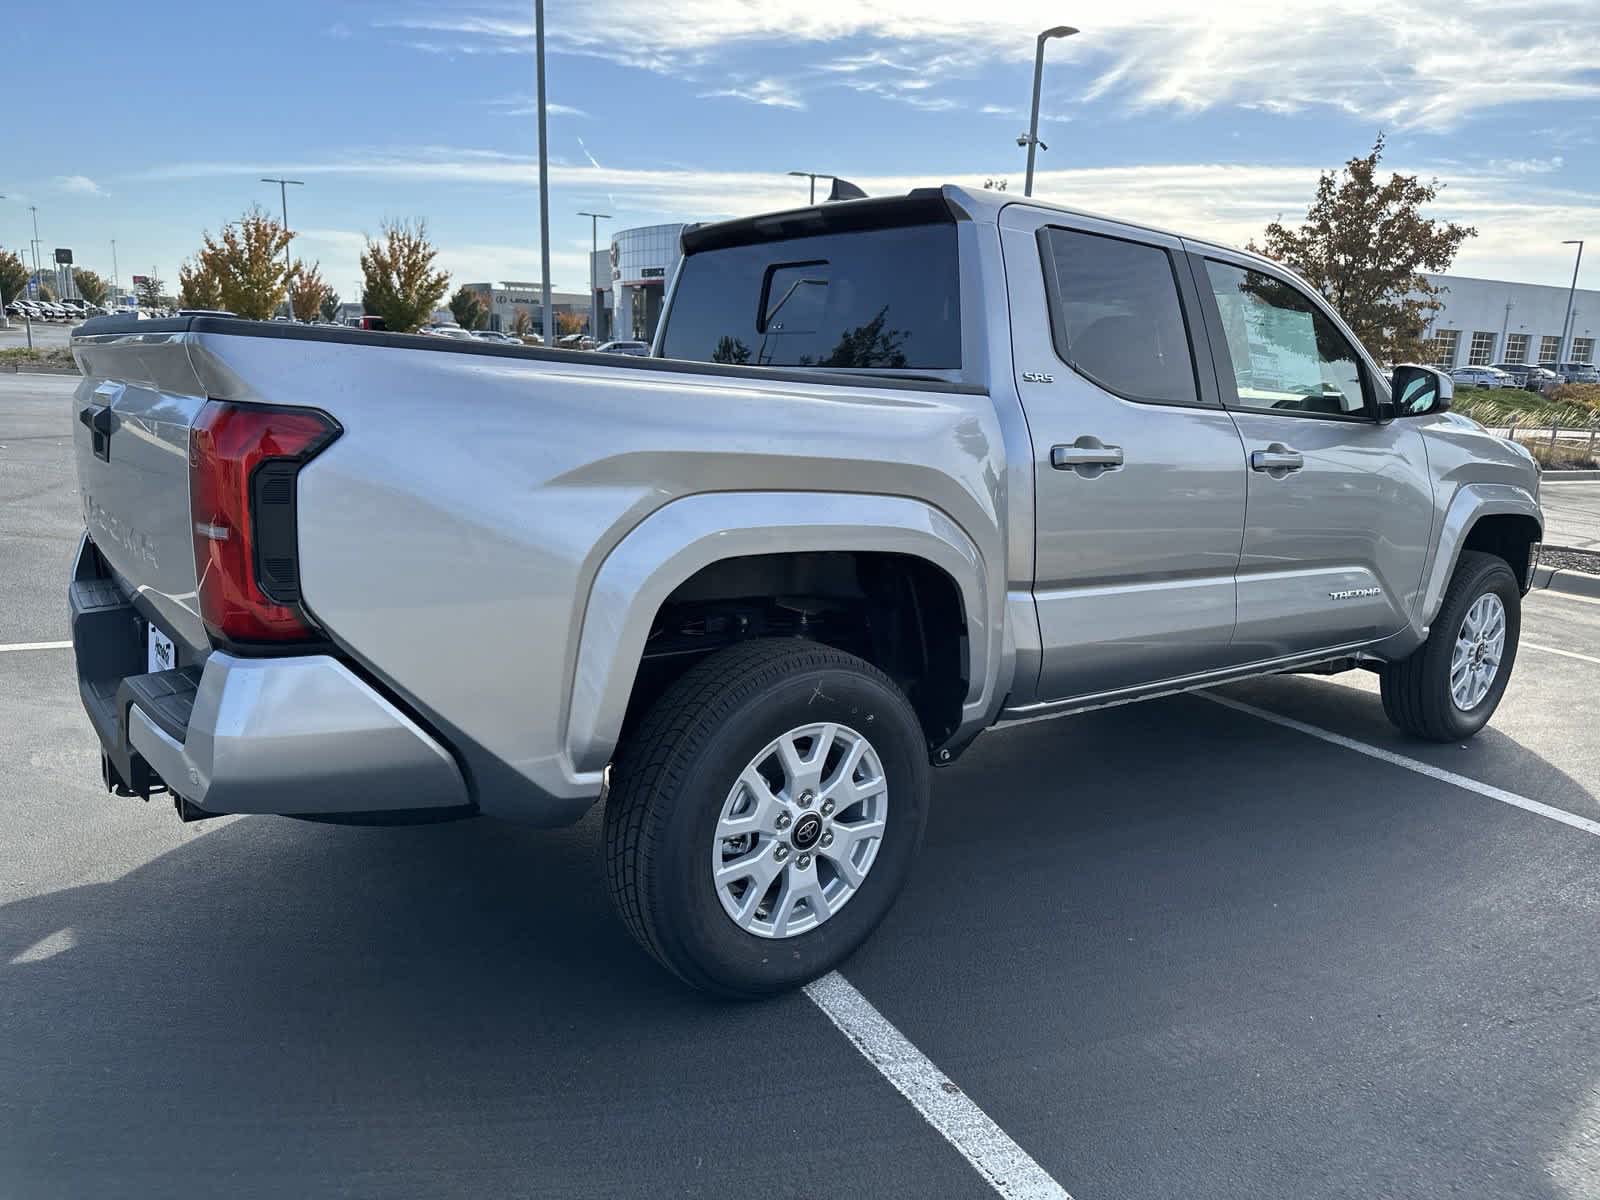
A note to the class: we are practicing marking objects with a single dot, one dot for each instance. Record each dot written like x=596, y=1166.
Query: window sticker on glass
x=1287, y=356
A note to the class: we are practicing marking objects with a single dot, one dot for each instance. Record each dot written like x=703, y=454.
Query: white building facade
x=1487, y=321
x=643, y=262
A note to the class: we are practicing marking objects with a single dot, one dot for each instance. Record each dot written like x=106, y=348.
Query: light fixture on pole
x=1561, y=351
x=813, y=176
x=594, y=248
x=544, y=182
x=1031, y=138
x=288, y=260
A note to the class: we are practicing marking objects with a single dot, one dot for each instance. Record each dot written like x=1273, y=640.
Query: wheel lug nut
x=806, y=797
x=805, y=861
x=827, y=808
x=827, y=838
x=784, y=820
x=780, y=853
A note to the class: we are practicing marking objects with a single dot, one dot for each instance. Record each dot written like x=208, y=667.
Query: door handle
x=1084, y=454
x=97, y=419
x=1276, y=459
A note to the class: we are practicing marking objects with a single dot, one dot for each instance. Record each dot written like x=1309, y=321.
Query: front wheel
x=1450, y=686
x=765, y=814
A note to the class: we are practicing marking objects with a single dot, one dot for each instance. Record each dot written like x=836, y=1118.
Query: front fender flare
x=675, y=541
x=1471, y=501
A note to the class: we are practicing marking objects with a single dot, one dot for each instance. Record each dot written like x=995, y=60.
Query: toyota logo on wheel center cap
x=806, y=831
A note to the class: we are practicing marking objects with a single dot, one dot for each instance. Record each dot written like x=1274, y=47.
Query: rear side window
x=873, y=298
x=1116, y=316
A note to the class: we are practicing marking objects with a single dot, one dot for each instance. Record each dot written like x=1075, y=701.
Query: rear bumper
x=300, y=736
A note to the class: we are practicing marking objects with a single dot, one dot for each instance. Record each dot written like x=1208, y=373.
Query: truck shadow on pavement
x=1278, y=968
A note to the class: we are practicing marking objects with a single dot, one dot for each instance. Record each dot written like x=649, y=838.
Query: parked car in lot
x=1480, y=377
x=1541, y=379
x=495, y=336
x=1053, y=462
x=637, y=349
x=1576, y=372
x=1517, y=373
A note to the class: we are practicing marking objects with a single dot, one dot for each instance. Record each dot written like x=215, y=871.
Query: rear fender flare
x=676, y=541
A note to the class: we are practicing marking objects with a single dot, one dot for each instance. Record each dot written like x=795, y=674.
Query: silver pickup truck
x=898, y=470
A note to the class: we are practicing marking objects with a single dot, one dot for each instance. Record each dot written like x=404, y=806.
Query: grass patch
x=55, y=356
x=1502, y=407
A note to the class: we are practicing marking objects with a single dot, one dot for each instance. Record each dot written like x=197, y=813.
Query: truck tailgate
x=131, y=420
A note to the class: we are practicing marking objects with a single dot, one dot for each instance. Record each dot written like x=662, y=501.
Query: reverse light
x=243, y=460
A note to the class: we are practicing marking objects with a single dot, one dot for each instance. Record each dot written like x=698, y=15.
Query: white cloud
x=772, y=92
x=1402, y=64
x=79, y=185
x=525, y=104
x=1520, y=222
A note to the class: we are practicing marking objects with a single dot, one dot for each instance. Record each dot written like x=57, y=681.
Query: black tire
x=1416, y=690
x=672, y=776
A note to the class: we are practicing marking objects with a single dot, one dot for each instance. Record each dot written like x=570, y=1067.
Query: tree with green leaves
x=91, y=287
x=149, y=292
x=1365, y=245
x=400, y=283
x=197, y=286
x=467, y=308
x=329, y=308
x=13, y=275
x=247, y=264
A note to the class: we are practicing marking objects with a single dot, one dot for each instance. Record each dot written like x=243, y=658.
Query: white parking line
x=1005, y=1165
x=1537, y=807
x=1588, y=658
x=36, y=646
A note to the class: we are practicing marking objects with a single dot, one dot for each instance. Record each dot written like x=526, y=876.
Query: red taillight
x=228, y=446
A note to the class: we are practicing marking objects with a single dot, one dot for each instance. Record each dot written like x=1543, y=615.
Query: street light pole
x=1060, y=31
x=4, y=322
x=544, y=183
x=594, y=248
x=1561, y=351
x=116, y=276
x=34, y=209
x=288, y=260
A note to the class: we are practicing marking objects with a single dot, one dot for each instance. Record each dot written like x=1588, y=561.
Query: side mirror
x=1420, y=391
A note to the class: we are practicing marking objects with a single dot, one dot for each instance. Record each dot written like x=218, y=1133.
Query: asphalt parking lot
x=1179, y=949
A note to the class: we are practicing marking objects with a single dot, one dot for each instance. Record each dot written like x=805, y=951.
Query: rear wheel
x=765, y=815
x=1450, y=686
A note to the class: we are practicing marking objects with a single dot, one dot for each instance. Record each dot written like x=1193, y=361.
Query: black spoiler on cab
x=923, y=206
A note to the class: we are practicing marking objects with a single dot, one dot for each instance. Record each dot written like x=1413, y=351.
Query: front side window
x=887, y=298
x=1287, y=356
x=1116, y=316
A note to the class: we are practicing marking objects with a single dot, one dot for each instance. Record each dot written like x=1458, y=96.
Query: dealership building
x=1486, y=321
x=642, y=263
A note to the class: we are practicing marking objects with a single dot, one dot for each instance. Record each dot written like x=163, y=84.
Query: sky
x=151, y=121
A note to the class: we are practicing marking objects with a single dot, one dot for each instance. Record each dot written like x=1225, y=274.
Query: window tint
x=867, y=298
x=1287, y=356
x=1116, y=316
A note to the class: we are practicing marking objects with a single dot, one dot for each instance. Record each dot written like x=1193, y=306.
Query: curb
x=1568, y=476
x=35, y=369
x=1562, y=579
